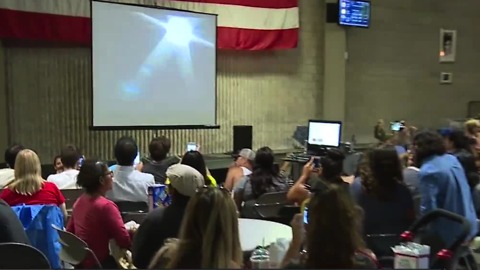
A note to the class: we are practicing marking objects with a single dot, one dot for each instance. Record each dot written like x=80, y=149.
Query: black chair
x=269, y=204
x=71, y=195
x=22, y=256
x=457, y=253
x=129, y=207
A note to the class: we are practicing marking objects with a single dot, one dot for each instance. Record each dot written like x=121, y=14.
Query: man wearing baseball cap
x=242, y=167
x=163, y=223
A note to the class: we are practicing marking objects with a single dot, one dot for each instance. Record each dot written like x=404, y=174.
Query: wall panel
x=50, y=96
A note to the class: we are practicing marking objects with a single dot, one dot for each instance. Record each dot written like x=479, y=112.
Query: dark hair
x=332, y=166
x=263, y=172
x=11, y=154
x=90, y=174
x=55, y=159
x=459, y=139
x=426, y=144
x=380, y=172
x=159, y=148
x=70, y=156
x=333, y=233
x=126, y=151
x=195, y=160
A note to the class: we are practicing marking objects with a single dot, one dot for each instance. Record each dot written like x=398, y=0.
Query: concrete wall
x=3, y=104
x=393, y=68
x=50, y=95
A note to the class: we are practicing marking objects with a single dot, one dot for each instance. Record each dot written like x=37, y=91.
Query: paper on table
x=131, y=225
x=277, y=251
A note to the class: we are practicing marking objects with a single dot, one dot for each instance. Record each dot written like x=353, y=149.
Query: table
x=254, y=231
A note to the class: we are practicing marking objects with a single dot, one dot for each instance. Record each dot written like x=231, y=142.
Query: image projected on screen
x=324, y=133
x=152, y=67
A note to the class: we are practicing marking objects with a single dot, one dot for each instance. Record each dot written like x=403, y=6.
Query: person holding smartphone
x=336, y=244
x=328, y=169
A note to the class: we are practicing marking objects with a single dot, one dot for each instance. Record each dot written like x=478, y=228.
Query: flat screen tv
x=354, y=13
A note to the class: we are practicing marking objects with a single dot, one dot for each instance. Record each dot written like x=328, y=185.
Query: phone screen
x=305, y=215
x=191, y=146
x=316, y=162
x=395, y=126
x=137, y=159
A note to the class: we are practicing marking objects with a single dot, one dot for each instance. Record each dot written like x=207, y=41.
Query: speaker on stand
x=242, y=138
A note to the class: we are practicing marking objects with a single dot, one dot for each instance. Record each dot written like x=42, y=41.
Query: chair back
x=126, y=206
x=71, y=195
x=74, y=250
x=37, y=221
x=22, y=256
x=269, y=204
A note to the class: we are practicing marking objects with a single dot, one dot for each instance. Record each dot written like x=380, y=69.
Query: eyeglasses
x=109, y=173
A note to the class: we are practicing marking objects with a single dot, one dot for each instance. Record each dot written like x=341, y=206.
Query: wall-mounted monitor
x=354, y=13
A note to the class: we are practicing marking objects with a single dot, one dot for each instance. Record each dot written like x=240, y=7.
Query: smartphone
x=80, y=161
x=316, y=162
x=305, y=215
x=396, y=126
x=137, y=159
x=191, y=146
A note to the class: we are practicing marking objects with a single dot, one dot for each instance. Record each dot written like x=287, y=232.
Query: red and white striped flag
x=242, y=24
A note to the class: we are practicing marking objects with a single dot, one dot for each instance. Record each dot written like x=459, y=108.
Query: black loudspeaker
x=242, y=138
x=332, y=13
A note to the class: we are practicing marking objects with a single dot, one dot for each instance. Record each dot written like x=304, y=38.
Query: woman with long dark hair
x=264, y=178
x=387, y=202
x=333, y=239
x=195, y=160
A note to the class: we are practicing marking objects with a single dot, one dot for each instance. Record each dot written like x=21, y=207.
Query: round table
x=254, y=231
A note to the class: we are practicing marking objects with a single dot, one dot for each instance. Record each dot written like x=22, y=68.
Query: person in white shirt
x=67, y=179
x=129, y=185
x=7, y=175
x=242, y=167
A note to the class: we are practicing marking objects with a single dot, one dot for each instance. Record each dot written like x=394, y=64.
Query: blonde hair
x=28, y=174
x=471, y=125
x=209, y=235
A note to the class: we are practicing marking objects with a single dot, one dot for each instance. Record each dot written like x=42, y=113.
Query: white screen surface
x=325, y=134
x=152, y=67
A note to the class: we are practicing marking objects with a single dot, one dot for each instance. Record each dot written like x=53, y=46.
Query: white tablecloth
x=254, y=231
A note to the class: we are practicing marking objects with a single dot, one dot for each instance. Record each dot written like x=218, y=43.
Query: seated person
x=387, y=202
x=443, y=185
x=330, y=171
x=209, y=235
x=130, y=185
x=265, y=178
x=159, y=160
x=242, y=167
x=29, y=187
x=333, y=218
x=184, y=181
x=92, y=209
x=195, y=160
x=57, y=164
x=67, y=179
x=11, y=229
x=458, y=144
x=8, y=174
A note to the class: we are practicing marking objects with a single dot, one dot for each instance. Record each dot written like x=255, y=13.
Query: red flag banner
x=242, y=24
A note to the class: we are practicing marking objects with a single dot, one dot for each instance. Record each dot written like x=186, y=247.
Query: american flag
x=242, y=24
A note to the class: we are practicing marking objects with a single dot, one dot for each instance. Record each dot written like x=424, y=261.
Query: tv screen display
x=324, y=133
x=354, y=13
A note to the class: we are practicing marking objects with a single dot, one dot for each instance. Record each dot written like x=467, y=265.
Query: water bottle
x=260, y=258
